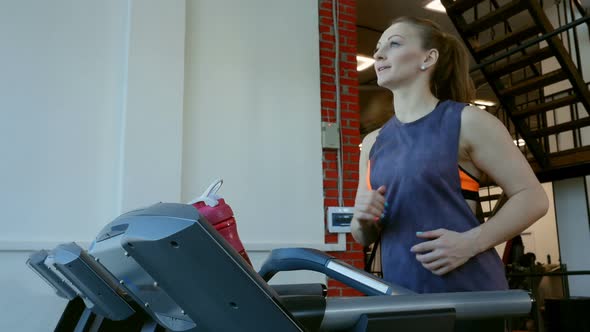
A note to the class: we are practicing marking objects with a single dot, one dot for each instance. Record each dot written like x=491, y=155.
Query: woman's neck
x=410, y=104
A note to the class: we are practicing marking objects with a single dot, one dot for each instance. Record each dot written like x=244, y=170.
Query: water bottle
x=221, y=216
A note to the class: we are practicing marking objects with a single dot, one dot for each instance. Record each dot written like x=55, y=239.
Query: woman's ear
x=431, y=59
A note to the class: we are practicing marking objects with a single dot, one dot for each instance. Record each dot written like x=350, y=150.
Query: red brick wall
x=349, y=104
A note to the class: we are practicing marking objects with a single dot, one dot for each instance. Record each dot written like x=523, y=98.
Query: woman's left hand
x=446, y=250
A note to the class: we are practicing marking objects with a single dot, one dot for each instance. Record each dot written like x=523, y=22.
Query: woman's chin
x=387, y=83
x=392, y=83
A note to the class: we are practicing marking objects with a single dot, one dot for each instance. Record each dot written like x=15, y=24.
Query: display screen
x=341, y=219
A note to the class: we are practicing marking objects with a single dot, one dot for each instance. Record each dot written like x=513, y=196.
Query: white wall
x=61, y=96
x=88, y=99
x=92, y=109
x=92, y=100
x=252, y=115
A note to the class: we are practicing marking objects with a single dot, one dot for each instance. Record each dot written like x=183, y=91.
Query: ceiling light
x=484, y=102
x=436, y=5
x=520, y=142
x=363, y=62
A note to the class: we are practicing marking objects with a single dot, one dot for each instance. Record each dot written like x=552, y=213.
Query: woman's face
x=398, y=55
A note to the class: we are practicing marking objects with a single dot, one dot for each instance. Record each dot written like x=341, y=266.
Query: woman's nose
x=378, y=55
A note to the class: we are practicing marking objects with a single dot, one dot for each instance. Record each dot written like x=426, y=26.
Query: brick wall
x=349, y=103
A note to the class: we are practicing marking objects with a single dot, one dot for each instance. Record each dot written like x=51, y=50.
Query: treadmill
x=165, y=268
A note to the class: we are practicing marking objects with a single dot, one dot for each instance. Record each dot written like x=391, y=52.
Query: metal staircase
x=525, y=61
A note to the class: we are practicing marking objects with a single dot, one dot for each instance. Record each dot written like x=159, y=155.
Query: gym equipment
x=165, y=268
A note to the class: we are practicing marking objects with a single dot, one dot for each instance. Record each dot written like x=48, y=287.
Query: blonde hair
x=451, y=71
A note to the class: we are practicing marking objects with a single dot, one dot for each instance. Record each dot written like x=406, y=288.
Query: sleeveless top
x=417, y=162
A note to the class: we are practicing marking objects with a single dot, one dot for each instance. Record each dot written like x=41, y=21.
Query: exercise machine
x=165, y=268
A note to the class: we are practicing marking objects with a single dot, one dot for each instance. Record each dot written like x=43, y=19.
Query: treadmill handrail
x=342, y=314
x=291, y=259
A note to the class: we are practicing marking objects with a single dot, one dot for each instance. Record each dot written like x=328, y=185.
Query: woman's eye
x=393, y=44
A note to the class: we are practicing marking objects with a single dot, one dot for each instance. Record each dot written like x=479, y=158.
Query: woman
x=418, y=174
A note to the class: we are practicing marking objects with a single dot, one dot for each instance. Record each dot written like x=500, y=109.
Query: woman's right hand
x=369, y=207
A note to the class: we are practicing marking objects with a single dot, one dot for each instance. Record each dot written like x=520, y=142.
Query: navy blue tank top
x=417, y=162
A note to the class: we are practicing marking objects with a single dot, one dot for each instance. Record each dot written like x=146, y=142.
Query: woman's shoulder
x=368, y=142
x=370, y=138
x=478, y=125
x=475, y=116
x=469, y=112
x=460, y=105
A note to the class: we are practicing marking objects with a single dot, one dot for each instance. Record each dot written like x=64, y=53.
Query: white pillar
x=573, y=229
x=151, y=142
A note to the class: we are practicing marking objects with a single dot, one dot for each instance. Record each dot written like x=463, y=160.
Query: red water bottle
x=220, y=215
